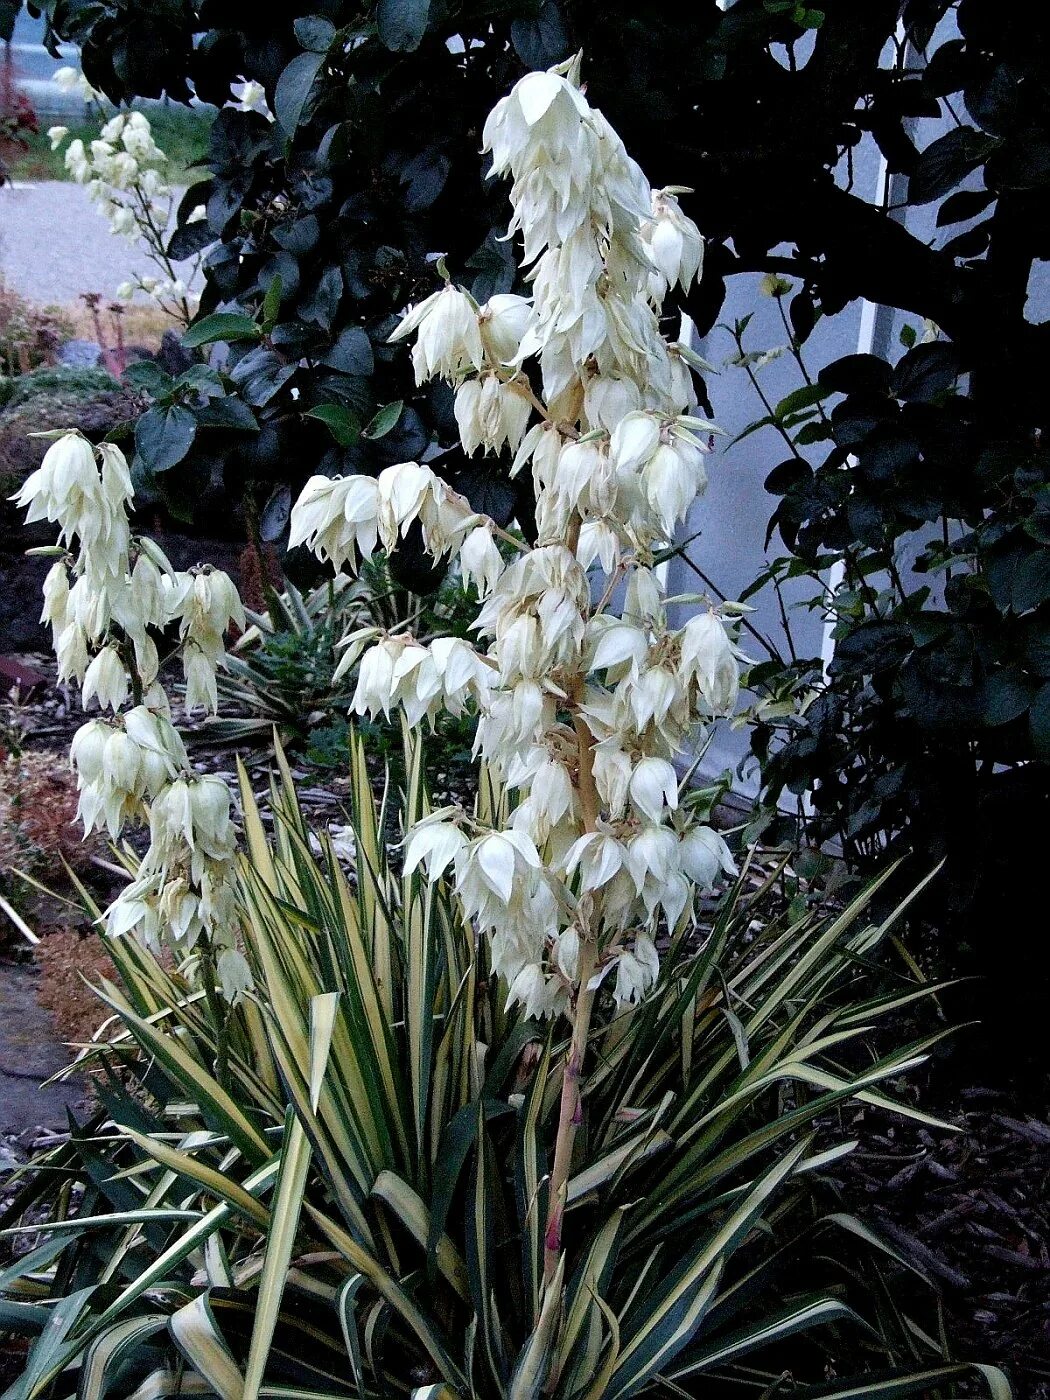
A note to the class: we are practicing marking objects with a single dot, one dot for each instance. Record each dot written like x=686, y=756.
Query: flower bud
x=87, y=751
x=122, y=761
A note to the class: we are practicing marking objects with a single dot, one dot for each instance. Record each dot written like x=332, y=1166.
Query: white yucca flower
x=135, y=768
x=705, y=857
x=106, y=680
x=673, y=242
x=491, y=414
x=503, y=321
x=448, y=335
x=337, y=517
x=480, y=560
x=637, y=969
x=709, y=657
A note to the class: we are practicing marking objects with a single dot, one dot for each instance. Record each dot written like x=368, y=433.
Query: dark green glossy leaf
x=272, y=300
x=351, y=353
x=801, y=398
x=964, y=205
x=385, y=420
x=148, y=378
x=402, y=23
x=261, y=374
x=189, y=239
x=293, y=89
x=926, y=372
x=163, y=436
x=315, y=33
x=857, y=373
x=1031, y=581
x=947, y=161
x=542, y=41
x=342, y=422
x=220, y=326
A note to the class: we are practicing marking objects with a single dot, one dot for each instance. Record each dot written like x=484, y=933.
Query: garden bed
x=969, y=1210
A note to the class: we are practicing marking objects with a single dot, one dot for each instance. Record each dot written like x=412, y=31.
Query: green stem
x=255, y=539
x=217, y=1009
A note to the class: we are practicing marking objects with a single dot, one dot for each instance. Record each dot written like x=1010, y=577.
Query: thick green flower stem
x=570, y=1113
x=217, y=1009
x=571, y=1110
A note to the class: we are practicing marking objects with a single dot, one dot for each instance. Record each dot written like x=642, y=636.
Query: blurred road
x=54, y=244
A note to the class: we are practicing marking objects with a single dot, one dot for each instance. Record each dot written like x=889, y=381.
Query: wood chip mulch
x=971, y=1210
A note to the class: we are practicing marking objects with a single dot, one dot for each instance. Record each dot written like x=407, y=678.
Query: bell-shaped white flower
x=707, y=656
x=504, y=320
x=87, y=750
x=464, y=676
x=634, y=440
x=607, y=399
x=598, y=856
x=674, y=243
x=540, y=996
x=491, y=413
x=448, y=336
x=198, y=671
x=56, y=596
x=654, y=788
x=65, y=479
x=210, y=804
x=435, y=845
x=106, y=680
x=480, y=560
x=637, y=969
x=446, y=518
x=375, y=681
x=337, y=517
x=705, y=856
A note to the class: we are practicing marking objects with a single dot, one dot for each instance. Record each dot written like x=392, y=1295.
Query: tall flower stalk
x=584, y=694
x=113, y=601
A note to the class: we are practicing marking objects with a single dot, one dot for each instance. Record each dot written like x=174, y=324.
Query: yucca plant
x=281, y=673
x=356, y=1208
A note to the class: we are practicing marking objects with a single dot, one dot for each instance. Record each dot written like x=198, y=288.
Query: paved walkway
x=29, y=1054
x=54, y=245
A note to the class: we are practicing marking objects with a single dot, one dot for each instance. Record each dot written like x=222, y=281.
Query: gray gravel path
x=54, y=244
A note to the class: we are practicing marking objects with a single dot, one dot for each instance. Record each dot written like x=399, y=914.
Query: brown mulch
x=971, y=1210
x=70, y=962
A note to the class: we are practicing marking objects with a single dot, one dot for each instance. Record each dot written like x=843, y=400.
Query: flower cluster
x=109, y=599
x=124, y=172
x=584, y=694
